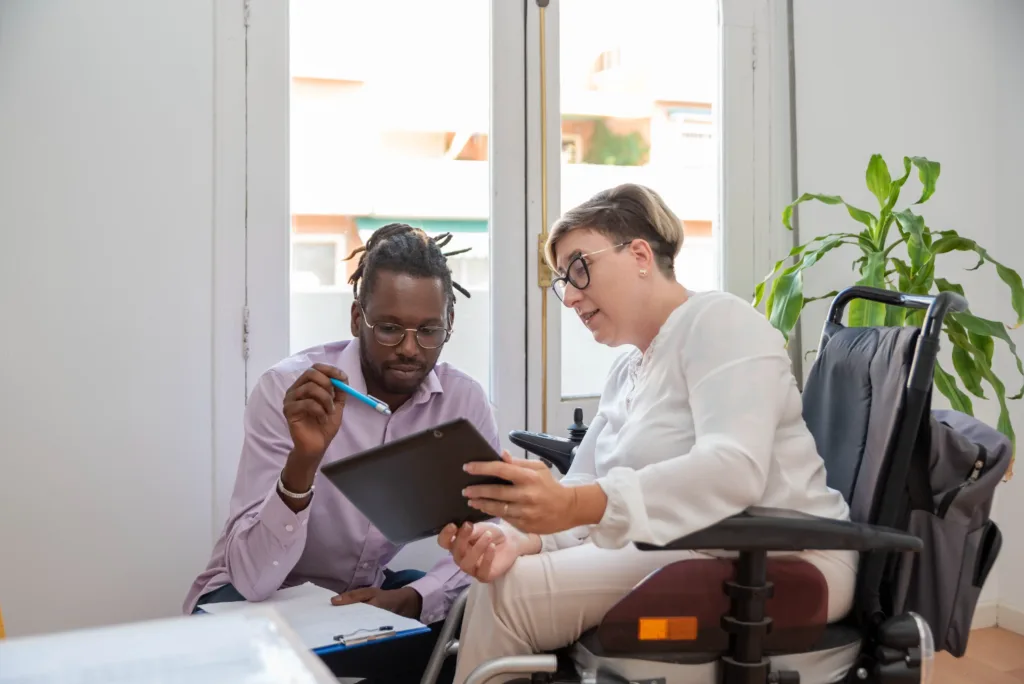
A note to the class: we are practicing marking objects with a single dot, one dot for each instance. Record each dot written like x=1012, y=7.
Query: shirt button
x=304, y=522
x=276, y=564
x=289, y=528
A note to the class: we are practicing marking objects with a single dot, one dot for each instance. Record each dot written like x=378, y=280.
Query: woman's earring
x=643, y=272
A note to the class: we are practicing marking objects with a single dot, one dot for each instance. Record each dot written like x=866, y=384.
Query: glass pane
x=314, y=264
x=389, y=128
x=637, y=93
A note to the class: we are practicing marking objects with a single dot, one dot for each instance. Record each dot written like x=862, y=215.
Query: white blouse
x=703, y=426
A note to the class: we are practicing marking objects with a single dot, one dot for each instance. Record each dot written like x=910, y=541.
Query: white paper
x=246, y=647
x=308, y=611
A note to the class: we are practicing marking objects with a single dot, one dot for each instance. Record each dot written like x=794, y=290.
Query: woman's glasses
x=392, y=334
x=577, y=272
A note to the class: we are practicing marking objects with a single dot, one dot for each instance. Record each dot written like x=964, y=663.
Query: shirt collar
x=350, y=364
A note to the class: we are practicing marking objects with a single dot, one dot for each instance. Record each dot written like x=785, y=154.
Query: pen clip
x=351, y=638
x=355, y=640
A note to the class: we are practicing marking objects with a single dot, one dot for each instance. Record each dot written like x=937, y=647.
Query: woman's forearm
x=530, y=544
x=526, y=544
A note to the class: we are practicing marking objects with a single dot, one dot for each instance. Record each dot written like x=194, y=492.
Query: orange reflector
x=668, y=629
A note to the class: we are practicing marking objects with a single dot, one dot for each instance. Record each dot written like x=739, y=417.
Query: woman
x=701, y=421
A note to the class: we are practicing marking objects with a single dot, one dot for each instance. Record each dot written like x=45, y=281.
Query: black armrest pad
x=775, y=529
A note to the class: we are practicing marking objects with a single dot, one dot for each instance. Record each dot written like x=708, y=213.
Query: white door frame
x=229, y=253
x=752, y=125
x=508, y=227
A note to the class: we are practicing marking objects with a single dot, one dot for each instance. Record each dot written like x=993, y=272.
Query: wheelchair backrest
x=866, y=423
x=855, y=403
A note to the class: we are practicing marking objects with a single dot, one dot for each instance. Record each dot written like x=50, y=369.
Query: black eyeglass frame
x=559, y=282
x=406, y=331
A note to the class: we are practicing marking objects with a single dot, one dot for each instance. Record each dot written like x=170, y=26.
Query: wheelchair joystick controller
x=556, y=451
x=577, y=430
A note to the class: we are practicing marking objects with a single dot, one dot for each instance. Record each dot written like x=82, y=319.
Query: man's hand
x=406, y=601
x=313, y=409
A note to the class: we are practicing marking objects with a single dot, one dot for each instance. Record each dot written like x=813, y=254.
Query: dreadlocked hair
x=400, y=248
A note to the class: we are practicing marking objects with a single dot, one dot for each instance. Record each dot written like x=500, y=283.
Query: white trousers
x=548, y=600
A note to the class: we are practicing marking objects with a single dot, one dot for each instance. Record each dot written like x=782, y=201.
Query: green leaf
x=895, y=316
x=946, y=384
x=787, y=301
x=924, y=278
x=1003, y=423
x=827, y=295
x=879, y=180
x=1012, y=280
x=968, y=371
x=928, y=174
x=867, y=218
x=864, y=313
x=951, y=241
x=983, y=327
x=797, y=251
x=912, y=227
x=786, y=298
x=897, y=185
x=903, y=268
x=985, y=344
x=946, y=286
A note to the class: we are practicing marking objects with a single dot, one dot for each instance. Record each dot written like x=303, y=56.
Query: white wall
x=108, y=175
x=942, y=79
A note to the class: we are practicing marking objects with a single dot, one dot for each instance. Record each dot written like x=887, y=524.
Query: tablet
x=412, y=487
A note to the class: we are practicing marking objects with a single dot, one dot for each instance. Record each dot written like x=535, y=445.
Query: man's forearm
x=297, y=477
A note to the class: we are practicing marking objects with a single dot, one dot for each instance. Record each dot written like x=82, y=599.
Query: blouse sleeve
x=733, y=369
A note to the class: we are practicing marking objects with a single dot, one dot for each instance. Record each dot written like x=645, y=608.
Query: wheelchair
x=755, y=619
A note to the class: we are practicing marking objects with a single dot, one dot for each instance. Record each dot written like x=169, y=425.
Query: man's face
x=404, y=301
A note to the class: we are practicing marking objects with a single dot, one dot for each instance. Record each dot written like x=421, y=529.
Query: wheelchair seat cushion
x=678, y=610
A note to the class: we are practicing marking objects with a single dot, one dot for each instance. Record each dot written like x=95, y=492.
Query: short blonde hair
x=625, y=212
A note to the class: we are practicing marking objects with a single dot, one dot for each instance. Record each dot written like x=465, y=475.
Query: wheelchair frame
x=757, y=531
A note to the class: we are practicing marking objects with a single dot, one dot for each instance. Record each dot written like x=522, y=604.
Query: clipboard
x=308, y=611
x=345, y=643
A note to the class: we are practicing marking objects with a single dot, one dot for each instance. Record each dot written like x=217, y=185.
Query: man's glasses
x=392, y=334
x=577, y=273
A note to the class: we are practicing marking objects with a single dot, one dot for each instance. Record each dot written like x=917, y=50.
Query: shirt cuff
x=612, y=532
x=286, y=525
x=434, y=607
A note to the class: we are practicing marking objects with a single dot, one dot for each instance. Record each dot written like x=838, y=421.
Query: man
x=287, y=524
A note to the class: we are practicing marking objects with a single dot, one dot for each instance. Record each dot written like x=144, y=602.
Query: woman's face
x=603, y=282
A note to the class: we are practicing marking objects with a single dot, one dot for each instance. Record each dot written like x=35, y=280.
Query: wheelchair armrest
x=556, y=450
x=776, y=529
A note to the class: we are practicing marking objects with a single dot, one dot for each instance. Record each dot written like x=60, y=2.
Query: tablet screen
x=412, y=487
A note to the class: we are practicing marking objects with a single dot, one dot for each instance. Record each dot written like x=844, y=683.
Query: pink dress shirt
x=265, y=545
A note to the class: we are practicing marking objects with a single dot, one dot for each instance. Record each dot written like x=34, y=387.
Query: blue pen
x=374, y=403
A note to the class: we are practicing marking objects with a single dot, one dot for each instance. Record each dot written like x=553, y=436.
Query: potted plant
x=899, y=251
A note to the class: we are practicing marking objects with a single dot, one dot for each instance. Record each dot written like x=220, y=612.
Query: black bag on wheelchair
x=950, y=503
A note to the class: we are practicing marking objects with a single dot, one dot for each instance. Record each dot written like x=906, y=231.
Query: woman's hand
x=482, y=551
x=535, y=502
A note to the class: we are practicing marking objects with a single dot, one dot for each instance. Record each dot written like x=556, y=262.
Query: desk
x=254, y=646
